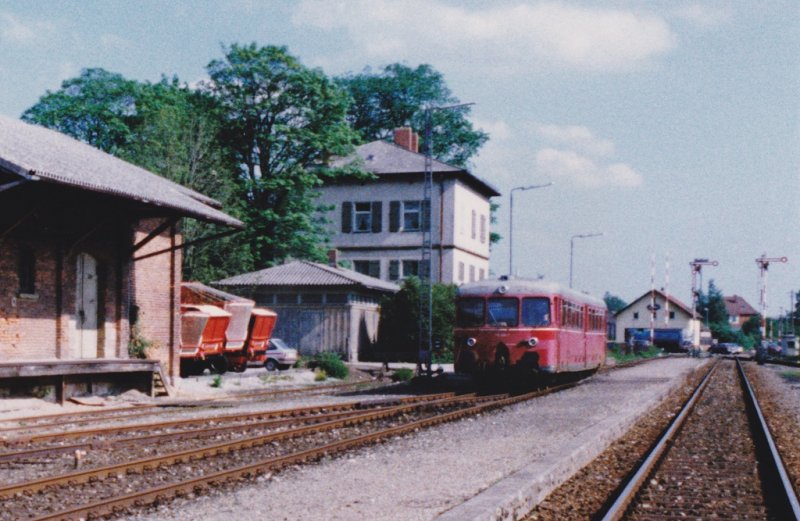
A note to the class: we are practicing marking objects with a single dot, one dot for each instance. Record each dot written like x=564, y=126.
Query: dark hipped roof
x=41, y=154
x=383, y=158
x=672, y=300
x=736, y=306
x=305, y=273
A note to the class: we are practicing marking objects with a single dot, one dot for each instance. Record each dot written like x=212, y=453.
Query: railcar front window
x=502, y=312
x=470, y=312
x=536, y=312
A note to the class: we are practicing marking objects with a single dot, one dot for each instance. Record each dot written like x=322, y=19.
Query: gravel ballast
x=479, y=468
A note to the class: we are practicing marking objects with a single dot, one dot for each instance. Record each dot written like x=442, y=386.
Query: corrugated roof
x=305, y=273
x=737, y=306
x=383, y=158
x=41, y=154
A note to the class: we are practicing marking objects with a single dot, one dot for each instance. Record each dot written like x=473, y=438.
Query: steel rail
x=775, y=464
x=277, y=413
x=112, y=505
x=215, y=449
x=620, y=505
x=237, y=427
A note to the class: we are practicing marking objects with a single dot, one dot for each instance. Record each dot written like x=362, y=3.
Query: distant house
x=378, y=225
x=320, y=307
x=672, y=321
x=738, y=310
x=89, y=248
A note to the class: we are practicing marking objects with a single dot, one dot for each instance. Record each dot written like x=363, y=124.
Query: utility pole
x=697, y=272
x=511, y=223
x=763, y=266
x=425, y=265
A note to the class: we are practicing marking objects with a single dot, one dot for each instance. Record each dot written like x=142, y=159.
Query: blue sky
x=672, y=127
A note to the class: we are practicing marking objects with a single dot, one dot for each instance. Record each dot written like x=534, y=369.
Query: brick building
x=89, y=244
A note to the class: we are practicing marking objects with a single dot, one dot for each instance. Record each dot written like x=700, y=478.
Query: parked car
x=279, y=355
x=726, y=348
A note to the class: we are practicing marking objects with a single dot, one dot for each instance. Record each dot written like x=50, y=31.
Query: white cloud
x=13, y=30
x=497, y=130
x=504, y=38
x=575, y=136
x=584, y=171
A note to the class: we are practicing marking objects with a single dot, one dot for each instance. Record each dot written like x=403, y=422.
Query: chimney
x=333, y=258
x=406, y=137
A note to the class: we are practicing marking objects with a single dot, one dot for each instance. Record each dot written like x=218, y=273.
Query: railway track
x=716, y=460
x=116, y=488
x=13, y=427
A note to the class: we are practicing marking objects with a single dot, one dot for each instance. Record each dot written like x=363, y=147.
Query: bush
x=216, y=382
x=138, y=346
x=403, y=374
x=331, y=364
x=319, y=375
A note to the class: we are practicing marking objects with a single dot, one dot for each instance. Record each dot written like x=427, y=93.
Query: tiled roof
x=383, y=158
x=40, y=154
x=305, y=273
x=672, y=300
x=736, y=306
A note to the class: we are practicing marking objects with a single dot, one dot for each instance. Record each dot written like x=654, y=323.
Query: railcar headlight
x=532, y=341
x=471, y=342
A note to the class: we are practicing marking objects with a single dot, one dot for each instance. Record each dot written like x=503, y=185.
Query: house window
x=27, y=271
x=361, y=217
x=472, y=273
x=412, y=216
x=394, y=270
x=483, y=229
x=461, y=271
x=336, y=298
x=636, y=315
x=473, y=232
x=312, y=298
x=481, y=274
x=368, y=267
x=409, y=216
x=671, y=315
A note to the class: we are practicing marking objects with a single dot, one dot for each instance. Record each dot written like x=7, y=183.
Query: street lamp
x=572, y=249
x=511, y=222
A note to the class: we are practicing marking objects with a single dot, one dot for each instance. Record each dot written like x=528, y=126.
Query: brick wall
x=156, y=293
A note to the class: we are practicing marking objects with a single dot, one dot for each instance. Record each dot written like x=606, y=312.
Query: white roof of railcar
x=514, y=286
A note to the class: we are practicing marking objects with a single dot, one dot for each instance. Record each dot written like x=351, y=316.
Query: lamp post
x=572, y=249
x=511, y=222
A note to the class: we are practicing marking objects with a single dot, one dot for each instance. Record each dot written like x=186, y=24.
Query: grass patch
x=791, y=376
x=403, y=374
x=216, y=382
x=269, y=378
x=620, y=357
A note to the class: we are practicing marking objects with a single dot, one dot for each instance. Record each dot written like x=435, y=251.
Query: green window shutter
x=375, y=269
x=377, y=214
x=426, y=215
x=347, y=217
x=394, y=216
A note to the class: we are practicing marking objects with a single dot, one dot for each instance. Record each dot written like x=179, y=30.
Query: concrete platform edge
x=514, y=496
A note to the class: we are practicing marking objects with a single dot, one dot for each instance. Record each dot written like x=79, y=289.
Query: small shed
x=90, y=256
x=320, y=308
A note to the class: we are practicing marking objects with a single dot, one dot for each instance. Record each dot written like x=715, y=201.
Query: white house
x=377, y=225
x=672, y=321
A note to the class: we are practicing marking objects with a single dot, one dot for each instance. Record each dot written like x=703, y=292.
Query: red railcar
x=202, y=337
x=529, y=326
x=262, y=322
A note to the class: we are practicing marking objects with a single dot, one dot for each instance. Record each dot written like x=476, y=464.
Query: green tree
x=283, y=122
x=98, y=107
x=613, y=302
x=398, y=331
x=397, y=96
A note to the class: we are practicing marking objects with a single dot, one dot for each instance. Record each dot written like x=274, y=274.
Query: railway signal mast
x=763, y=266
x=697, y=274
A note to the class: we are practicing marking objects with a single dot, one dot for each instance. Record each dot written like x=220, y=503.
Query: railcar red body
x=529, y=326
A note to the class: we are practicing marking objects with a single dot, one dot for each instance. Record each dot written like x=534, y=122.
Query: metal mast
x=763, y=266
x=697, y=268
x=425, y=266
